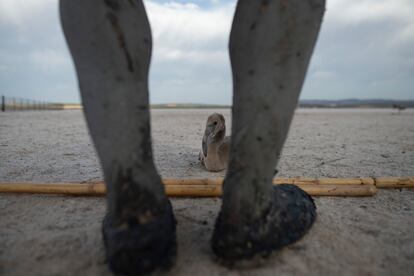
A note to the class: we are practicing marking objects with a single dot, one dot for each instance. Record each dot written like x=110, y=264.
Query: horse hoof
x=289, y=217
x=136, y=249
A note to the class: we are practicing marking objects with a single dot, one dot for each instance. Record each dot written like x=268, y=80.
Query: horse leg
x=110, y=42
x=271, y=44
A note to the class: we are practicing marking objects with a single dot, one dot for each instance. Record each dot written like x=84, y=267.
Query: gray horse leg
x=110, y=42
x=271, y=44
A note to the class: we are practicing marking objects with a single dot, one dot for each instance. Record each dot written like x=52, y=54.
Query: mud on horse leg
x=271, y=43
x=110, y=42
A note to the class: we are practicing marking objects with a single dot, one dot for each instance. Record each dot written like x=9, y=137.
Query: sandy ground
x=56, y=235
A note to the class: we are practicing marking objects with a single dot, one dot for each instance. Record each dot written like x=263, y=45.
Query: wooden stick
x=176, y=188
x=325, y=181
x=201, y=187
x=394, y=182
x=295, y=181
x=88, y=188
x=379, y=182
x=314, y=190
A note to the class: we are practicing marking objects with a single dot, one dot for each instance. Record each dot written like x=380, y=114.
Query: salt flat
x=56, y=235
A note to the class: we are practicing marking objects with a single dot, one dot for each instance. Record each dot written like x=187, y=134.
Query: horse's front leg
x=271, y=44
x=110, y=42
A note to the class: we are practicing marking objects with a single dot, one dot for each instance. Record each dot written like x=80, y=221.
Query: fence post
x=3, y=103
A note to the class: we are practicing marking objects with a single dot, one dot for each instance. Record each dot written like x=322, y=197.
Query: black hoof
x=289, y=218
x=136, y=249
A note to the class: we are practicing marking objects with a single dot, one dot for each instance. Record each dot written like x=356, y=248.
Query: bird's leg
x=110, y=42
x=271, y=44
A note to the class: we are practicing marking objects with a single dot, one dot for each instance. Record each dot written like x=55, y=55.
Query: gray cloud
x=365, y=50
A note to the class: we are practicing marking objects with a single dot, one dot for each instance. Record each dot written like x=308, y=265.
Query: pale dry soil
x=58, y=235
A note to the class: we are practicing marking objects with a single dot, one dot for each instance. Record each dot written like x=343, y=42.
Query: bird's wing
x=204, y=145
x=224, y=148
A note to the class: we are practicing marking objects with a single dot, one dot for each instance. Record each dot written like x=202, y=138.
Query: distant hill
x=357, y=103
x=345, y=103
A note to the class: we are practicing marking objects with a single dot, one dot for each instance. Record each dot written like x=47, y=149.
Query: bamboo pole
x=312, y=189
x=177, y=190
x=326, y=181
x=87, y=188
x=201, y=187
x=394, y=182
x=379, y=182
x=294, y=181
x=204, y=187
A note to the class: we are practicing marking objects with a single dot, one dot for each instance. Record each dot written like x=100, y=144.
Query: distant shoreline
x=346, y=103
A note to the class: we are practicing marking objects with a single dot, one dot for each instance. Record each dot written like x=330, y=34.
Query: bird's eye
x=215, y=123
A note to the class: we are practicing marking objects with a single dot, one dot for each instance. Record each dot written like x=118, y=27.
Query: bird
x=215, y=144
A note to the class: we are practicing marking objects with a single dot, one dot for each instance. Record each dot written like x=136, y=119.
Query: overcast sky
x=365, y=50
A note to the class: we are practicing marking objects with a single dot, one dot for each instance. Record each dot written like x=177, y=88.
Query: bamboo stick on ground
x=325, y=181
x=314, y=190
x=88, y=188
x=380, y=182
x=202, y=187
x=394, y=182
x=180, y=190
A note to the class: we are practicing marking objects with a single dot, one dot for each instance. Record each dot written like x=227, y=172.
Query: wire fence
x=21, y=104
